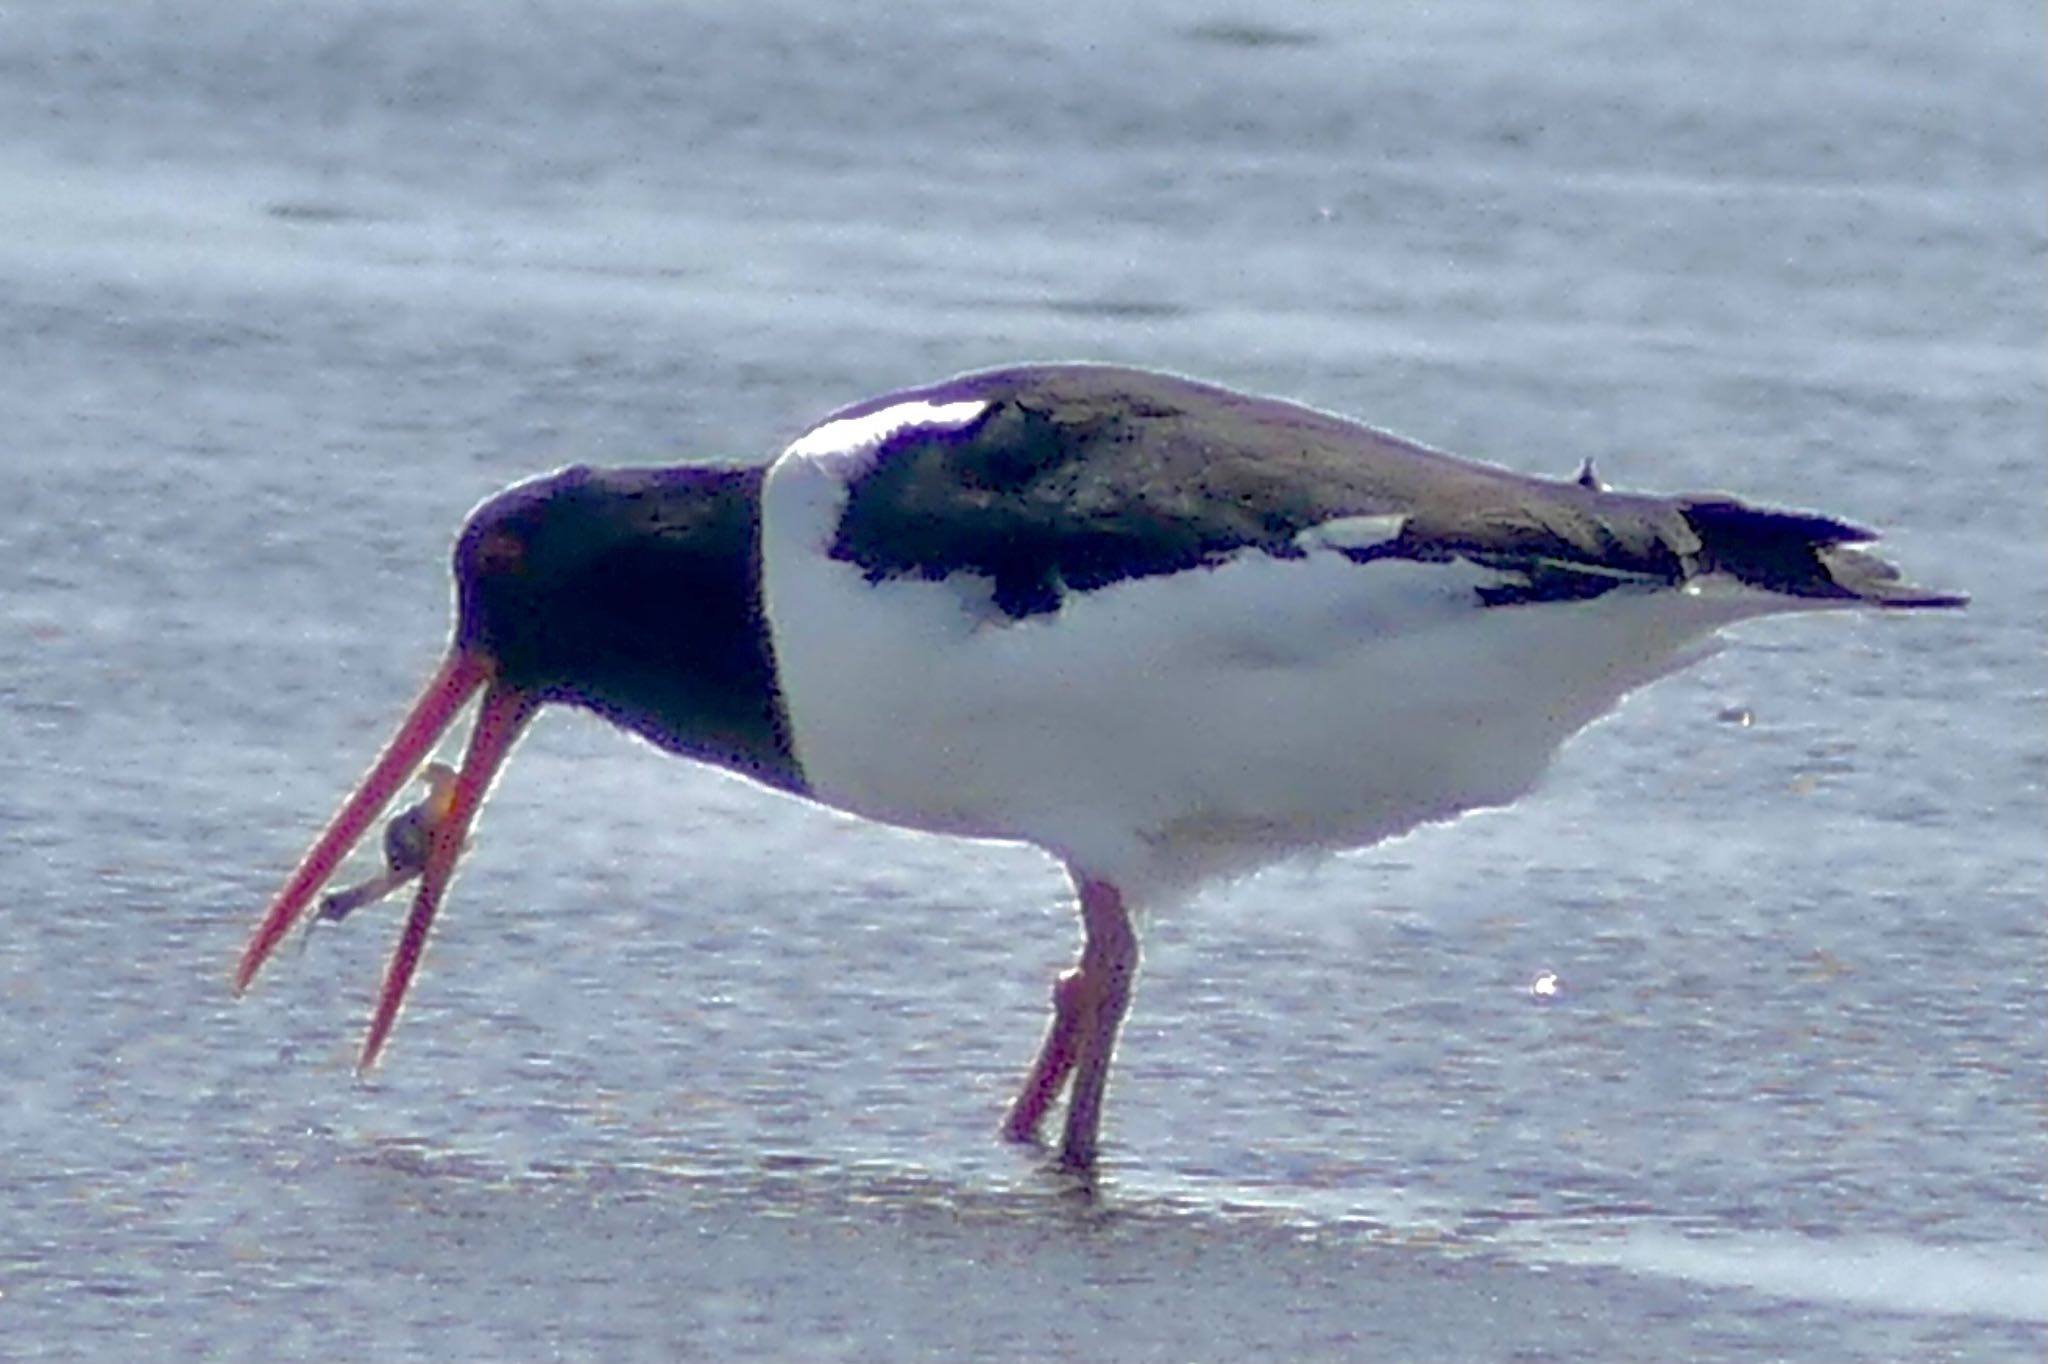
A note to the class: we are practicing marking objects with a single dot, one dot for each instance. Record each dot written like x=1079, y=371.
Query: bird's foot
x=1077, y=1157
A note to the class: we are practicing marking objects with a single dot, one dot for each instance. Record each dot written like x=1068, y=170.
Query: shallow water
x=693, y=1070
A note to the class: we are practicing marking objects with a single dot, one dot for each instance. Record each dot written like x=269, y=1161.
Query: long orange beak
x=502, y=716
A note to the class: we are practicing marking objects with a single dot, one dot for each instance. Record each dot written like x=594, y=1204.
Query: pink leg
x=1088, y=1007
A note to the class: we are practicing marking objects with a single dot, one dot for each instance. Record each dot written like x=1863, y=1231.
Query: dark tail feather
x=1861, y=574
x=1800, y=555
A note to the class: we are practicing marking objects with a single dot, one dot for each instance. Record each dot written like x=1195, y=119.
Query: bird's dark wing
x=1079, y=476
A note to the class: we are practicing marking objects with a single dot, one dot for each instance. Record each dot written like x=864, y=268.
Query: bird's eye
x=501, y=551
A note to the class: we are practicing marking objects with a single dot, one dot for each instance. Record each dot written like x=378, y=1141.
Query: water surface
x=697, y=1071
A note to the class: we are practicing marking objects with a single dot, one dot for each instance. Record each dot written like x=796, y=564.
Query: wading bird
x=1162, y=630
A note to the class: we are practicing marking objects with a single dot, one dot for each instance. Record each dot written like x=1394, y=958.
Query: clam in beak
x=500, y=719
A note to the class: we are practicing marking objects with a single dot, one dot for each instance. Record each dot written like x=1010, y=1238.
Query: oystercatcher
x=1163, y=630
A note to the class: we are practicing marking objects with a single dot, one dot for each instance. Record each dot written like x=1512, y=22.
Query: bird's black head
x=635, y=593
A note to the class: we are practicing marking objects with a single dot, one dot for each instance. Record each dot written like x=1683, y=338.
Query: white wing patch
x=1352, y=532
x=808, y=485
x=847, y=448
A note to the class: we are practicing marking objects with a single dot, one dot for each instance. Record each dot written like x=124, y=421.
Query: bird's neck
x=687, y=662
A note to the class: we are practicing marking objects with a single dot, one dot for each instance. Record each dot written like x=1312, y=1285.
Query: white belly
x=1169, y=728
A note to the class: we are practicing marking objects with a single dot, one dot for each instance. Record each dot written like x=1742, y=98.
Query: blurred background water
x=694, y=1071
